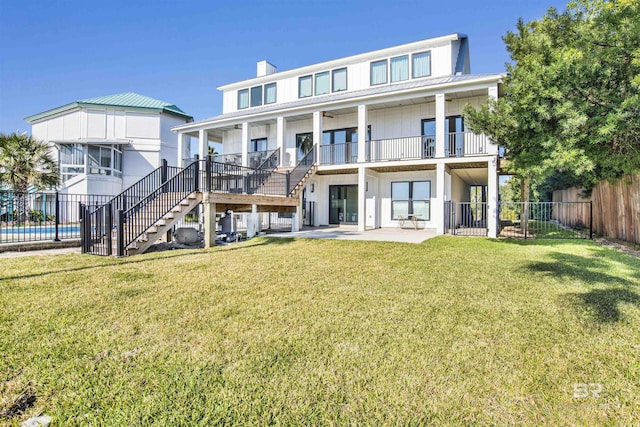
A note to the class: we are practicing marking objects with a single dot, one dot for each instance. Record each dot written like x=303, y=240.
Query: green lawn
x=456, y=331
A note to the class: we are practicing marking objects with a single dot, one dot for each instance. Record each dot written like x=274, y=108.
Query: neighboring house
x=103, y=145
x=387, y=128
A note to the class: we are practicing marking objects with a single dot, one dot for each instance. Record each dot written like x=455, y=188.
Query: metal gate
x=466, y=218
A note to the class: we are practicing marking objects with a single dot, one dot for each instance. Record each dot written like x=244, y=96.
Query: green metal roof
x=127, y=101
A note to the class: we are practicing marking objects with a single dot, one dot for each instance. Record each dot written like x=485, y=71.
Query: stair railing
x=139, y=218
x=300, y=171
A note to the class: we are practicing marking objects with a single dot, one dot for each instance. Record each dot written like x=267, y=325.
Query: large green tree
x=25, y=162
x=571, y=101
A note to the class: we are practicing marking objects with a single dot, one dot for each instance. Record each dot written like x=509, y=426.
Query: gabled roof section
x=127, y=101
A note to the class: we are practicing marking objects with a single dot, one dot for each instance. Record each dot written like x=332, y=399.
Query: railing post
x=120, y=233
x=109, y=229
x=83, y=231
x=163, y=170
x=207, y=168
x=57, y=221
x=196, y=177
x=590, y=219
x=287, y=183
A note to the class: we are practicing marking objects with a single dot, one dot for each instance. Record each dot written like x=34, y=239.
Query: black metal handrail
x=228, y=178
x=300, y=171
x=338, y=154
x=403, y=148
x=139, y=218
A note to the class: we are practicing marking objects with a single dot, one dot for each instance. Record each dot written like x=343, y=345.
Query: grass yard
x=456, y=331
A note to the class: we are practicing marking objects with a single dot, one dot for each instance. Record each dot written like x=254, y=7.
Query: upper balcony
x=457, y=144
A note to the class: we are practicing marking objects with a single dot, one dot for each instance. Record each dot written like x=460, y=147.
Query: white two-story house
x=105, y=144
x=390, y=142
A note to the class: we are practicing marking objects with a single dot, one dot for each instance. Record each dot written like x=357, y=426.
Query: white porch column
x=203, y=144
x=317, y=133
x=295, y=220
x=253, y=222
x=492, y=197
x=440, y=125
x=362, y=198
x=438, y=210
x=209, y=221
x=362, y=133
x=180, y=151
x=280, y=129
x=245, y=144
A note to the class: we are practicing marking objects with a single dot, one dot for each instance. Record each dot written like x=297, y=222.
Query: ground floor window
x=411, y=197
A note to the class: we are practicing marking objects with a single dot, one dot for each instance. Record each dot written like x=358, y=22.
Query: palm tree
x=25, y=162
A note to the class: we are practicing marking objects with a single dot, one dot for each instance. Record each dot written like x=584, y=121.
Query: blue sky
x=56, y=52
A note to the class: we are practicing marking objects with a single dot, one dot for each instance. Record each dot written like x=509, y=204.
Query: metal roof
x=127, y=100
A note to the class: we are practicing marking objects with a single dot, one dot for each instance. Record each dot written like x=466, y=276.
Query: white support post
x=492, y=197
x=245, y=144
x=493, y=148
x=362, y=198
x=253, y=222
x=362, y=133
x=438, y=216
x=209, y=221
x=317, y=133
x=440, y=125
x=295, y=220
x=280, y=129
x=203, y=144
x=180, y=150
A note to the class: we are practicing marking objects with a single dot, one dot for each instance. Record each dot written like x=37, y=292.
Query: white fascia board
x=342, y=62
x=450, y=87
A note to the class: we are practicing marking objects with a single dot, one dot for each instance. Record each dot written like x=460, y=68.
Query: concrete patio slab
x=348, y=232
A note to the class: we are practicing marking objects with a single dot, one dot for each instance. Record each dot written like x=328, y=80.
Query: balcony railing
x=406, y=148
x=459, y=144
x=339, y=154
x=255, y=158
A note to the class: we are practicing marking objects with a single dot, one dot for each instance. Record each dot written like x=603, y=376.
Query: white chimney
x=264, y=68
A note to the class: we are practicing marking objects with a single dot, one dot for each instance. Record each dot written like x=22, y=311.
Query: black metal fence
x=545, y=220
x=43, y=216
x=466, y=218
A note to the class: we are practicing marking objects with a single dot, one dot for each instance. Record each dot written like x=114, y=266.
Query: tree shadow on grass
x=162, y=256
x=606, y=291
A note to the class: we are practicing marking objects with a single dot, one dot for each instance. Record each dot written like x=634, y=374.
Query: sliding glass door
x=343, y=204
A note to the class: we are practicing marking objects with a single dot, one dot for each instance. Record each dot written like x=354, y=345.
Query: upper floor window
x=322, y=83
x=400, y=68
x=305, y=86
x=243, y=98
x=421, y=64
x=256, y=96
x=339, y=80
x=378, y=72
x=104, y=160
x=270, y=93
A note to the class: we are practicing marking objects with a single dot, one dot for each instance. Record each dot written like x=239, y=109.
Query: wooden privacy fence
x=616, y=208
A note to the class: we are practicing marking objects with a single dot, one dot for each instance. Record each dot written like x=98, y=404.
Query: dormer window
x=421, y=64
x=305, y=87
x=378, y=72
x=399, y=68
x=243, y=99
x=270, y=93
x=256, y=96
x=339, y=80
x=322, y=83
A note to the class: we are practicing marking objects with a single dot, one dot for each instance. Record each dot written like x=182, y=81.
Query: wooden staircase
x=161, y=226
x=296, y=191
